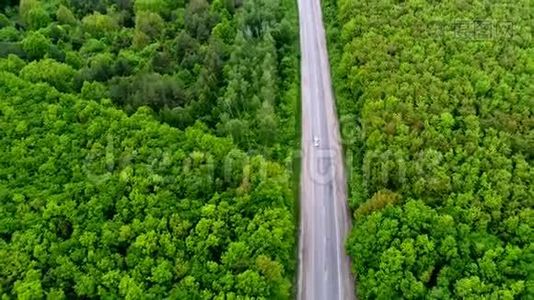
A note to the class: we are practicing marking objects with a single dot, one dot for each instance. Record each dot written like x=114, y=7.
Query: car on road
x=316, y=141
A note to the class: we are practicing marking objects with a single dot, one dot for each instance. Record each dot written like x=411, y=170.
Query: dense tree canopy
x=98, y=203
x=187, y=60
x=436, y=106
x=143, y=150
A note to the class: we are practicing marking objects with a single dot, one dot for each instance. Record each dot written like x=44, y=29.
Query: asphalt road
x=324, y=268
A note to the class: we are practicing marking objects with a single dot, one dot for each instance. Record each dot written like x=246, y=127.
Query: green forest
x=146, y=147
x=435, y=101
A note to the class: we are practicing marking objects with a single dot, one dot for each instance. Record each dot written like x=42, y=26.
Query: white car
x=315, y=141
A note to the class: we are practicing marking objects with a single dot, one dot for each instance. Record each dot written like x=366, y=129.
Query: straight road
x=324, y=267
